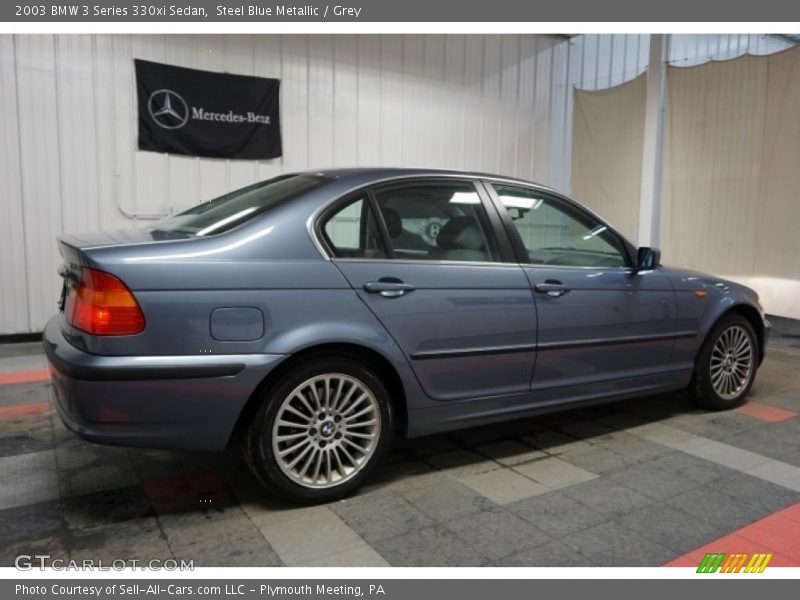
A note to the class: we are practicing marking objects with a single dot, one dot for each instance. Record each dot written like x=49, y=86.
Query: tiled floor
x=650, y=481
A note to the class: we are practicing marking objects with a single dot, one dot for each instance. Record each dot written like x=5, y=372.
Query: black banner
x=200, y=113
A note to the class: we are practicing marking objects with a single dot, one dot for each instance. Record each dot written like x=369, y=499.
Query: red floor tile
x=24, y=376
x=12, y=413
x=765, y=412
x=777, y=534
x=778, y=560
x=792, y=513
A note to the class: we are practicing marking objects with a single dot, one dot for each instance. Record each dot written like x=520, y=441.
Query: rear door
x=599, y=321
x=435, y=267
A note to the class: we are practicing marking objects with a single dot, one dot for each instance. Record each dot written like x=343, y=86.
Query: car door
x=436, y=268
x=599, y=320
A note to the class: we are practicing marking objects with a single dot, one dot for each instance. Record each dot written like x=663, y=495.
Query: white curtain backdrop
x=732, y=173
x=607, y=137
x=731, y=176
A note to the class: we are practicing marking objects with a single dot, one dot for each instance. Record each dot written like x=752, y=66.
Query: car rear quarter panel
x=178, y=314
x=271, y=265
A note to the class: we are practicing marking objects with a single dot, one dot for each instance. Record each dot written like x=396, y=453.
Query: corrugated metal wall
x=67, y=129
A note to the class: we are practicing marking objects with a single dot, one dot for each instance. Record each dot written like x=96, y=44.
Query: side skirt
x=484, y=411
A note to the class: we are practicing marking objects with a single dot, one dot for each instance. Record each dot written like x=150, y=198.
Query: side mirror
x=648, y=259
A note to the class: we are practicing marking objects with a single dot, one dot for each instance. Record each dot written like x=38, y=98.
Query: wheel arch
x=370, y=357
x=751, y=314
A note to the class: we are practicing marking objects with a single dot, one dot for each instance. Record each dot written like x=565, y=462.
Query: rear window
x=237, y=207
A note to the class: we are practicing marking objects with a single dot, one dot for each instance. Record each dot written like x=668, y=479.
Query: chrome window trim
x=574, y=204
x=473, y=263
x=585, y=268
x=310, y=228
x=411, y=261
x=315, y=215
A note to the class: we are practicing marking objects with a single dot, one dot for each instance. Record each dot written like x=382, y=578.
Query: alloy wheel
x=326, y=430
x=732, y=361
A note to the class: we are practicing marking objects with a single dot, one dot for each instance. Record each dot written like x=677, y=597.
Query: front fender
x=702, y=300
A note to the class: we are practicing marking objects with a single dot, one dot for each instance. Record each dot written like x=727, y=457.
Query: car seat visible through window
x=460, y=239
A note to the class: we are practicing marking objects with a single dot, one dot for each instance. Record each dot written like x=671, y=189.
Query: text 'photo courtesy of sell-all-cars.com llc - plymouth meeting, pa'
x=315, y=317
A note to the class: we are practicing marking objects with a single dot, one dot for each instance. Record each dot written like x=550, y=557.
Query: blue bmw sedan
x=316, y=316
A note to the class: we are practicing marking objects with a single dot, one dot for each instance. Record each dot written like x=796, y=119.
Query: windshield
x=232, y=209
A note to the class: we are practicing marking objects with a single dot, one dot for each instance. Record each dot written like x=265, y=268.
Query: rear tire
x=726, y=365
x=320, y=430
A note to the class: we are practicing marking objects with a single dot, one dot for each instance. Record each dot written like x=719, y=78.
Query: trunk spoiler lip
x=85, y=247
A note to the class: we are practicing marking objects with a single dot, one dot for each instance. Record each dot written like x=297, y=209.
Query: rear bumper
x=186, y=402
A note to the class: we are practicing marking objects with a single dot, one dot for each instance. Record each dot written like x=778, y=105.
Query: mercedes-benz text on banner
x=201, y=113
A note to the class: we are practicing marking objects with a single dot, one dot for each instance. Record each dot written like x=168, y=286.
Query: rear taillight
x=100, y=304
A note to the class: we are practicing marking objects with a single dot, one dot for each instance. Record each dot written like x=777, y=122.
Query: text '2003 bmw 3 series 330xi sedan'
x=316, y=316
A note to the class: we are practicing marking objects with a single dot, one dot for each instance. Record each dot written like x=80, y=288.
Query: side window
x=352, y=232
x=554, y=233
x=436, y=221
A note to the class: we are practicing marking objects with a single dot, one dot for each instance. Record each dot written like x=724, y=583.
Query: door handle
x=388, y=289
x=552, y=288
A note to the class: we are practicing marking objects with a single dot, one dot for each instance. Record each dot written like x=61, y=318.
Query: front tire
x=726, y=366
x=320, y=430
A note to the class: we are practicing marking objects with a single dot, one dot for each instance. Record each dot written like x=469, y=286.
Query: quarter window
x=352, y=232
x=436, y=221
x=554, y=233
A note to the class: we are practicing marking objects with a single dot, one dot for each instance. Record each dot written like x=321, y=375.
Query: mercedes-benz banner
x=202, y=113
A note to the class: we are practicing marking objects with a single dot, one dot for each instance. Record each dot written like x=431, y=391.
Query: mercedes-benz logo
x=168, y=109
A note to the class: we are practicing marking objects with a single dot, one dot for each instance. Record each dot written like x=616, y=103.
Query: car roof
x=375, y=174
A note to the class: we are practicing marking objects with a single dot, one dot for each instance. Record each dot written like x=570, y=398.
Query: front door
x=431, y=269
x=599, y=321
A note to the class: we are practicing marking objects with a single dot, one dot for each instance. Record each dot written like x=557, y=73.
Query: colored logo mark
x=719, y=562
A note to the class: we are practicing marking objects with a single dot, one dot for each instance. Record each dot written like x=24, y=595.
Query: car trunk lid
x=120, y=237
